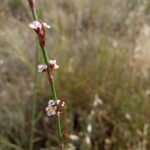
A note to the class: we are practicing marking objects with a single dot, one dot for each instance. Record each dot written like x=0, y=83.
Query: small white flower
x=38, y=25
x=51, y=108
x=54, y=107
x=53, y=64
x=42, y=68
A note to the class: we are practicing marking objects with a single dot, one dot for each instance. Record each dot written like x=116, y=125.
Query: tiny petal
x=52, y=61
x=46, y=25
x=38, y=25
x=42, y=68
x=51, y=102
x=35, y=25
x=58, y=101
x=56, y=66
x=58, y=113
x=49, y=114
x=55, y=108
x=53, y=113
x=46, y=109
x=63, y=104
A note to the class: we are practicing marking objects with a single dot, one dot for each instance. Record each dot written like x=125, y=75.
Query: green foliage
x=93, y=45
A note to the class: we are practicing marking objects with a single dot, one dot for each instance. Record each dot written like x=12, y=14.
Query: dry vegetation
x=97, y=44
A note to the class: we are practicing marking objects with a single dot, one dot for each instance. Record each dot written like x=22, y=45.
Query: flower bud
x=32, y=3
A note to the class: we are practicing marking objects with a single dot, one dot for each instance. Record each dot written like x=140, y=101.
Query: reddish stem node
x=32, y=4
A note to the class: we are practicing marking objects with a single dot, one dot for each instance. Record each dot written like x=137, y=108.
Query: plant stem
x=34, y=14
x=52, y=84
x=53, y=90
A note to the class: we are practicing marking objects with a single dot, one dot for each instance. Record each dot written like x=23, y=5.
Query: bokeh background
x=103, y=50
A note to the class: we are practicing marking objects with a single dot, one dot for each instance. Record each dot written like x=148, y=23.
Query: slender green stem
x=48, y=72
x=34, y=14
x=52, y=84
x=59, y=127
x=53, y=90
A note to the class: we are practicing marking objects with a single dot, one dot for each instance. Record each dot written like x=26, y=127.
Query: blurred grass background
x=102, y=48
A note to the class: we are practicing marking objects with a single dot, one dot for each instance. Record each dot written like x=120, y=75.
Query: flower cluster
x=39, y=27
x=52, y=64
x=53, y=107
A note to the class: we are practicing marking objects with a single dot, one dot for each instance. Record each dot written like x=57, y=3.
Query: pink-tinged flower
x=53, y=64
x=51, y=108
x=54, y=107
x=36, y=25
x=39, y=28
x=42, y=68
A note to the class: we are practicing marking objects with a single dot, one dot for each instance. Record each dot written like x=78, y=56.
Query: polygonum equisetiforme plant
x=54, y=105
